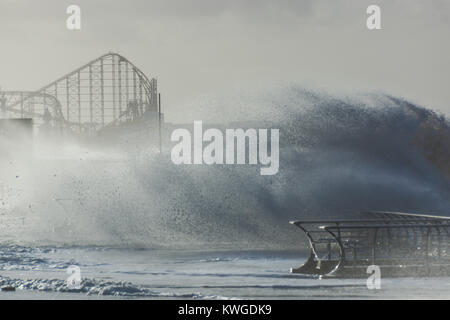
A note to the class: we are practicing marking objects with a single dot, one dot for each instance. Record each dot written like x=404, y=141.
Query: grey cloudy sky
x=207, y=47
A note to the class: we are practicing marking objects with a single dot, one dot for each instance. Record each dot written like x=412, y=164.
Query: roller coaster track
x=29, y=104
x=105, y=92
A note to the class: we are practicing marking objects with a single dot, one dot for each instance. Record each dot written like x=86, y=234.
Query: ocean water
x=108, y=273
x=139, y=226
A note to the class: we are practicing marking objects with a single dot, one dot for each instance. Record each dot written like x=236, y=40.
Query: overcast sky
x=208, y=47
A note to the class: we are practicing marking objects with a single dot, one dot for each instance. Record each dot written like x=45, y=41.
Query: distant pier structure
x=106, y=93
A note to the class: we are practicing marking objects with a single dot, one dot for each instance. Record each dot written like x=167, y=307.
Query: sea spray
x=338, y=156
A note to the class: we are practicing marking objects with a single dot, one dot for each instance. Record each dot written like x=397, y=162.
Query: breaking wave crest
x=338, y=156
